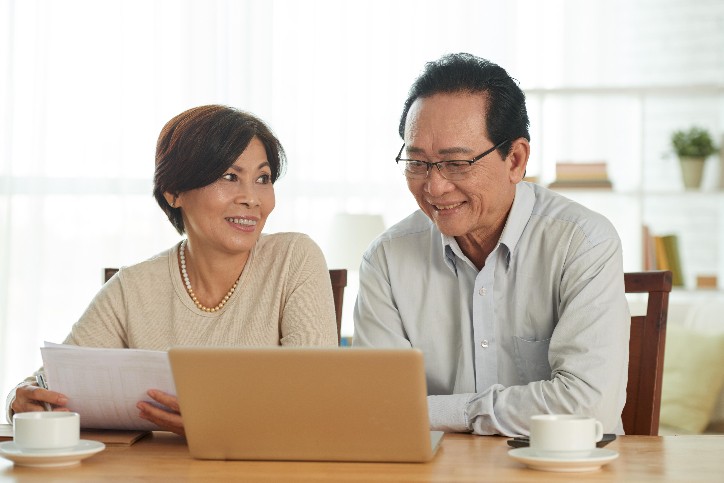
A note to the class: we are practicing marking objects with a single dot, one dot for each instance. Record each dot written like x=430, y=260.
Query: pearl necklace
x=187, y=282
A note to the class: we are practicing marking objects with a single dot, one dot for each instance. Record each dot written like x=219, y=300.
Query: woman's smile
x=247, y=224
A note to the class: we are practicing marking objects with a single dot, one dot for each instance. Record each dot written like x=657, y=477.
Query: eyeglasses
x=452, y=170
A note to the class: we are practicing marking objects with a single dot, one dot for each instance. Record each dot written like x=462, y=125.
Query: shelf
x=671, y=90
x=642, y=193
x=629, y=127
x=685, y=193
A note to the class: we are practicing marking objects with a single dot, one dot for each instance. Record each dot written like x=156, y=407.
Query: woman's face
x=229, y=214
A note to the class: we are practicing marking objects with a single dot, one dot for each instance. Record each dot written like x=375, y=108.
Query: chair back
x=339, y=282
x=338, y=277
x=646, y=352
x=108, y=272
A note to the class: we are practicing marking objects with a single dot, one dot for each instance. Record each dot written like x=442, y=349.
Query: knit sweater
x=284, y=297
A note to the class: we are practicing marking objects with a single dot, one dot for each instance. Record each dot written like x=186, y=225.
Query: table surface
x=461, y=457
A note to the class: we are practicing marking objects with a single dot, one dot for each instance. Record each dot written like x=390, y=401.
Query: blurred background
x=86, y=85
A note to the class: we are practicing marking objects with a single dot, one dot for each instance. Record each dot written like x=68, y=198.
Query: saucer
x=50, y=458
x=590, y=462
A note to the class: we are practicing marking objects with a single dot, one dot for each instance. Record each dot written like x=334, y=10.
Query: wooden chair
x=646, y=353
x=339, y=282
x=108, y=273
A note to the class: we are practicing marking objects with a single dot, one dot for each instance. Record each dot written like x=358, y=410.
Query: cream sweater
x=284, y=297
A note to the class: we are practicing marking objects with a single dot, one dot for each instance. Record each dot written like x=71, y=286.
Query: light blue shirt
x=542, y=328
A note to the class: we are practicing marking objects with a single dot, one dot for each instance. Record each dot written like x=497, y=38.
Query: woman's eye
x=230, y=177
x=264, y=179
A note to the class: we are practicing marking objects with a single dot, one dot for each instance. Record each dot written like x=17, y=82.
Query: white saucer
x=50, y=458
x=591, y=462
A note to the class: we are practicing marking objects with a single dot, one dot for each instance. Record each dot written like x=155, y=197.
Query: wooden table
x=461, y=457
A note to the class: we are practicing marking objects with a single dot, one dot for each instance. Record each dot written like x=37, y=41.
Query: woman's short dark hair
x=506, y=117
x=196, y=148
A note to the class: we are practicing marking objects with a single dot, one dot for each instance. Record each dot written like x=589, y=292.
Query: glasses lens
x=455, y=169
x=413, y=169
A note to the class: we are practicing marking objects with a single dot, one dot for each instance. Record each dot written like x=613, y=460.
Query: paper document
x=104, y=385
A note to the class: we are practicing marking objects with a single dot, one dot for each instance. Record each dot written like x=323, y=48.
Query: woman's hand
x=168, y=419
x=32, y=398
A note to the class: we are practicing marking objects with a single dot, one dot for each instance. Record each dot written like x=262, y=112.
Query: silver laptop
x=309, y=404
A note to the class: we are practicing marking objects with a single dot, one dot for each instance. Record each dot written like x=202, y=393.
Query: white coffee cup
x=564, y=435
x=46, y=430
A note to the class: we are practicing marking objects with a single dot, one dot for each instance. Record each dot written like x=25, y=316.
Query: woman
x=226, y=284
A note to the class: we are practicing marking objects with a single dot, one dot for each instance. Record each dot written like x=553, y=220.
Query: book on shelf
x=649, y=249
x=593, y=184
x=706, y=281
x=581, y=175
x=661, y=257
x=671, y=245
x=661, y=252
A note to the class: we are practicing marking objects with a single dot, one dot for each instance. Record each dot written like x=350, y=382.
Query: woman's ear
x=518, y=156
x=170, y=199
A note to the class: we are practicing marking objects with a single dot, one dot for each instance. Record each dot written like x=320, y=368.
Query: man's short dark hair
x=506, y=117
x=196, y=147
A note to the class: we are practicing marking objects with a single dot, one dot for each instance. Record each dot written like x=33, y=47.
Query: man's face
x=452, y=127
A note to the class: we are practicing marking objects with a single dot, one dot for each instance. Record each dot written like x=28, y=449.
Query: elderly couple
x=513, y=293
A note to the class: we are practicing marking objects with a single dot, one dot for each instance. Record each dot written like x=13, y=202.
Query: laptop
x=304, y=404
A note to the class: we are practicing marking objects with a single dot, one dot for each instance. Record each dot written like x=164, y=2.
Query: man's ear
x=518, y=158
x=170, y=199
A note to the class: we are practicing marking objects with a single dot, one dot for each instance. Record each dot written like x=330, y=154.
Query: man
x=513, y=293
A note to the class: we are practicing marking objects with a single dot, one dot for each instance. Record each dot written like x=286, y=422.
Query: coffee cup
x=46, y=430
x=564, y=435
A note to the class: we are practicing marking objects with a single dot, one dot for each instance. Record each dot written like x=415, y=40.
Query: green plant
x=694, y=143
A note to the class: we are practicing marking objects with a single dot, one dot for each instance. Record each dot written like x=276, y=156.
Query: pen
x=40, y=379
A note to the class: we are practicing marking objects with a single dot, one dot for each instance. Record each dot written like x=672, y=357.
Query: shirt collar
x=519, y=215
x=452, y=252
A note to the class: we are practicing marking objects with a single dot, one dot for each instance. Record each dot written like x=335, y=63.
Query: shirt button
x=482, y=291
x=484, y=343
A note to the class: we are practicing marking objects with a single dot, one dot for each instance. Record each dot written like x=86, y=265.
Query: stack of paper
x=104, y=385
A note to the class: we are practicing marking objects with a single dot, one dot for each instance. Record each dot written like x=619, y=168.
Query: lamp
x=349, y=236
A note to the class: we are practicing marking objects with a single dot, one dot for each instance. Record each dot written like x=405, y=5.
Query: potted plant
x=692, y=147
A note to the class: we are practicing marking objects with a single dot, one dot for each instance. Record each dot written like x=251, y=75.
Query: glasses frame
x=440, y=164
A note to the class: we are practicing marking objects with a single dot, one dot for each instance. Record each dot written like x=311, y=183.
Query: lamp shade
x=349, y=236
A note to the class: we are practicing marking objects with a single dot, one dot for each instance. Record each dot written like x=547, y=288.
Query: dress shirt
x=542, y=328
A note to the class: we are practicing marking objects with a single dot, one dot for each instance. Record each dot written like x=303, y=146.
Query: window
x=86, y=86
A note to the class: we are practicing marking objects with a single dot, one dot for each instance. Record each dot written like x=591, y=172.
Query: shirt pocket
x=531, y=357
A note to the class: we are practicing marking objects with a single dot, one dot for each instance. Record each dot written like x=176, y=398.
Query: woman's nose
x=247, y=195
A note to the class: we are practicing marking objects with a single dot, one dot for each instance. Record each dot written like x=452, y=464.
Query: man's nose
x=435, y=183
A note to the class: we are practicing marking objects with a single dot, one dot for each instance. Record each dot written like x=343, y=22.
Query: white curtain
x=86, y=85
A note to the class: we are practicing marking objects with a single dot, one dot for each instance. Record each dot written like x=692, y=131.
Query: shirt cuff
x=10, y=399
x=8, y=405
x=448, y=413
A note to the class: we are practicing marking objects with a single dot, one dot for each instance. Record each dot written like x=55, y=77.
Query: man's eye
x=230, y=177
x=416, y=166
x=264, y=179
x=456, y=165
